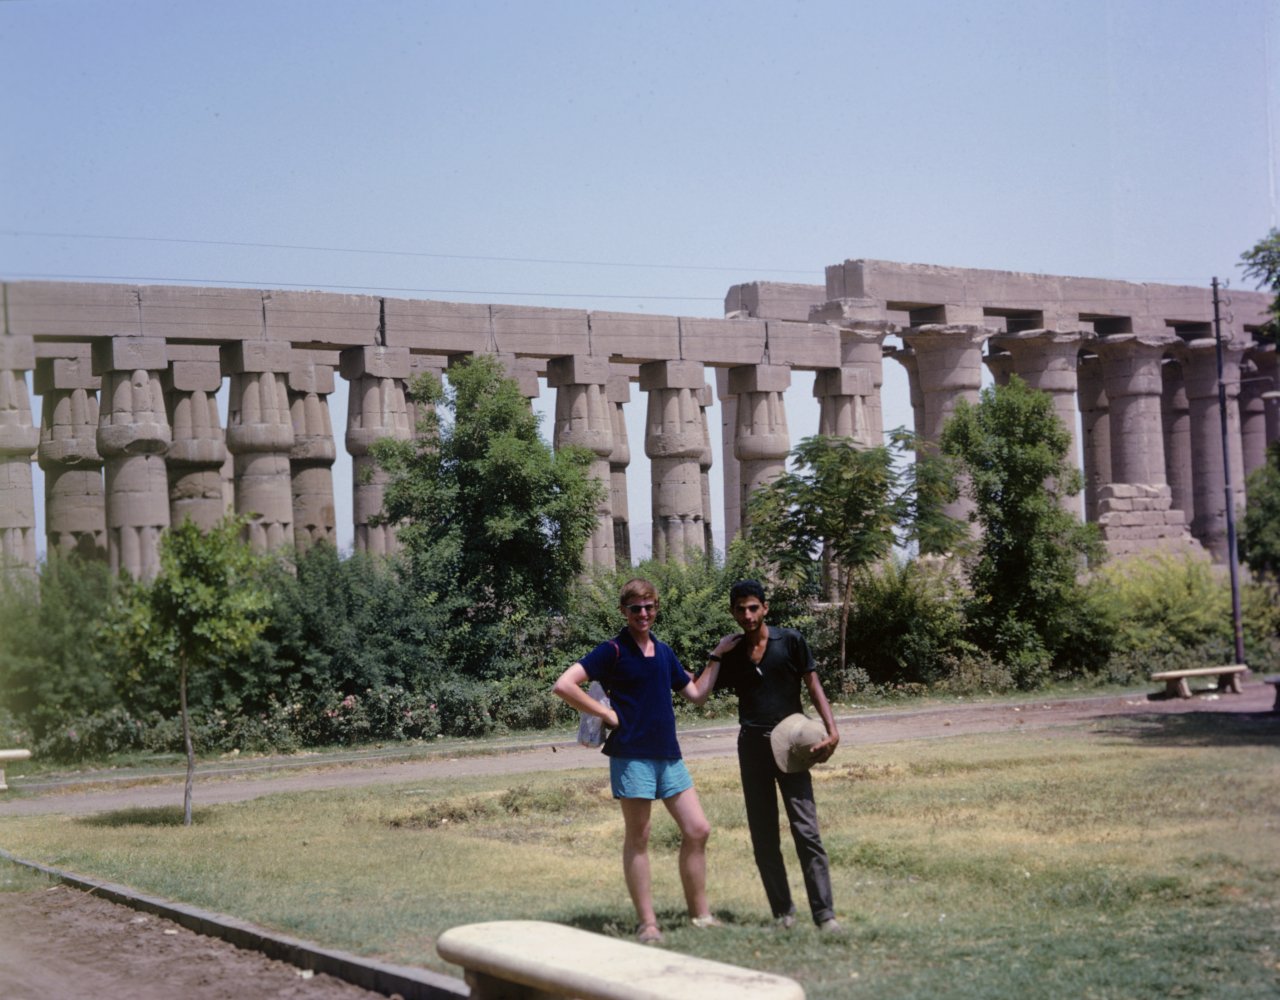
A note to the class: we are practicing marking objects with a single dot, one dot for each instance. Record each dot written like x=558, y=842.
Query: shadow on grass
x=141, y=816
x=1217, y=729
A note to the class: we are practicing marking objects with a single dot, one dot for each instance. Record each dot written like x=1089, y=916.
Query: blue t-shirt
x=639, y=689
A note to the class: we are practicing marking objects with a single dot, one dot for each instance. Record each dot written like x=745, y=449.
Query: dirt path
x=66, y=944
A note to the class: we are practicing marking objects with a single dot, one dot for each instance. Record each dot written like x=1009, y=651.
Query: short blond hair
x=637, y=589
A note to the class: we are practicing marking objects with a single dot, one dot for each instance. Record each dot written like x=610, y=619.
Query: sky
x=630, y=156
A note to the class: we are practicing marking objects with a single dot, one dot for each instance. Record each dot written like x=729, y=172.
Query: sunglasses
x=635, y=609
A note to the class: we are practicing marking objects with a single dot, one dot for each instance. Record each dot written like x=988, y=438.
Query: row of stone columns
x=130, y=439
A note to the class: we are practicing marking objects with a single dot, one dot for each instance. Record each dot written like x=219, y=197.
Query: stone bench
x=528, y=959
x=10, y=755
x=1175, y=681
x=1274, y=681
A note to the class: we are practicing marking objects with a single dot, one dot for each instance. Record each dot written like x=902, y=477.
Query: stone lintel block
x=549, y=333
x=72, y=309
x=635, y=337
x=423, y=364
x=255, y=357
x=375, y=361
x=194, y=376
x=577, y=370
x=843, y=382
x=774, y=300
x=432, y=327
x=672, y=375
x=853, y=314
x=618, y=388
x=17, y=353
x=759, y=378
x=65, y=373
x=803, y=345
x=128, y=354
x=220, y=314
x=722, y=341
x=330, y=318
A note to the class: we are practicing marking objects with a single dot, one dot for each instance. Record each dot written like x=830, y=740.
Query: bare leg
x=694, y=831
x=635, y=857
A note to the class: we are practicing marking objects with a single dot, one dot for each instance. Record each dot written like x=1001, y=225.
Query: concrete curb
x=380, y=977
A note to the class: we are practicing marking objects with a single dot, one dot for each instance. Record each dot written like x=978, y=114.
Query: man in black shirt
x=767, y=665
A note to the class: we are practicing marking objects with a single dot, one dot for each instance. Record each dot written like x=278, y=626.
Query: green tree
x=1260, y=527
x=207, y=602
x=848, y=503
x=1026, y=606
x=1262, y=262
x=493, y=522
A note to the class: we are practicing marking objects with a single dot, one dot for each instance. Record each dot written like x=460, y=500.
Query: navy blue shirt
x=639, y=689
x=768, y=691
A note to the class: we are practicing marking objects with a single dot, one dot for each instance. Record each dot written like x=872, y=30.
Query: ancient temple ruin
x=130, y=438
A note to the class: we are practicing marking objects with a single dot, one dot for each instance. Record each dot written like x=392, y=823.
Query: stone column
x=584, y=418
x=133, y=436
x=705, y=460
x=618, y=393
x=1259, y=377
x=1209, y=517
x=1095, y=432
x=674, y=442
x=1047, y=360
x=1176, y=420
x=260, y=438
x=1135, y=511
x=731, y=473
x=19, y=438
x=313, y=453
x=949, y=366
x=376, y=408
x=906, y=357
x=1000, y=364
x=74, y=505
x=199, y=448
x=849, y=396
x=761, y=440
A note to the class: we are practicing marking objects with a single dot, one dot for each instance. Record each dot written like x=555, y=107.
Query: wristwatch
x=713, y=657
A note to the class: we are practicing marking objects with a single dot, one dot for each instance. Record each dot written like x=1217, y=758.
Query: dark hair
x=746, y=588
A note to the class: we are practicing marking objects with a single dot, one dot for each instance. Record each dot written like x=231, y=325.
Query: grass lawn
x=1126, y=859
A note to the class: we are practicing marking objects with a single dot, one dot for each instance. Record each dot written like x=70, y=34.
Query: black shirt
x=768, y=691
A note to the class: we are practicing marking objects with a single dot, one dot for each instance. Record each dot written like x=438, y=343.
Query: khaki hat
x=791, y=739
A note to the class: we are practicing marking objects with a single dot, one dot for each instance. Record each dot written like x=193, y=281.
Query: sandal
x=649, y=934
x=703, y=922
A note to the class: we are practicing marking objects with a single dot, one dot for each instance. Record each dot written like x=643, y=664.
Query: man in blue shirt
x=639, y=673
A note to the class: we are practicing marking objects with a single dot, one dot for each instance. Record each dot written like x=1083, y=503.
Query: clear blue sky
x=455, y=150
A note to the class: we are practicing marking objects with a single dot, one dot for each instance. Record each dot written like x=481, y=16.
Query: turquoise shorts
x=640, y=778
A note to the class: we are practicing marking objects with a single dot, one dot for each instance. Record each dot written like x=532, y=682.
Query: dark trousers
x=761, y=782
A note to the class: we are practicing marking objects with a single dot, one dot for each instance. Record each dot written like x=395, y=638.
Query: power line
x=403, y=253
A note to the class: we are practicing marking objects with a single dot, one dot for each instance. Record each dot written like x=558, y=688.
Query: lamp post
x=1232, y=556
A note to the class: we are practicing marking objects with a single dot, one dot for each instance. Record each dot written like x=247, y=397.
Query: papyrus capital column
x=376, y=408
x=314, y=451
x=584, y=418
x=260, y=437
x=761, y=440
x=1259, y=416
x=674, y=442
x=1176, y=419
x=19, y=438
x=849, y=396
x=133, y=436
x=1095, y=430
x=74, y=506
x=1209, y=472
x=705, y=458
x=199, y=448
x=618, y=393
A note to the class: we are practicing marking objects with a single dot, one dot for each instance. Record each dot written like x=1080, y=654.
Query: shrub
x=1165, y=603
x=465, y=707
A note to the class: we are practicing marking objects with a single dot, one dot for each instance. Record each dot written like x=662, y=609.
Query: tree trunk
x=845, y=597
x=186, y=739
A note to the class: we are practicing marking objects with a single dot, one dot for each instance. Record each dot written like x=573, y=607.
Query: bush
x=465, y=707
x=1166, y=603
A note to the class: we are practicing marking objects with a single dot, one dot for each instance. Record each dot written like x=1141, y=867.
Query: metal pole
x=1232, y=559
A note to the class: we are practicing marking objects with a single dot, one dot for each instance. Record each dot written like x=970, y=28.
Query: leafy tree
x=847, y=502
x=1260, y=528
x=206, y=602
x=1026, y=606
x=1262, y=262
x=493, y=522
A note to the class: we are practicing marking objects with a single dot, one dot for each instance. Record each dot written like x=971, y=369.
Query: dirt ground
x=61, y=943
